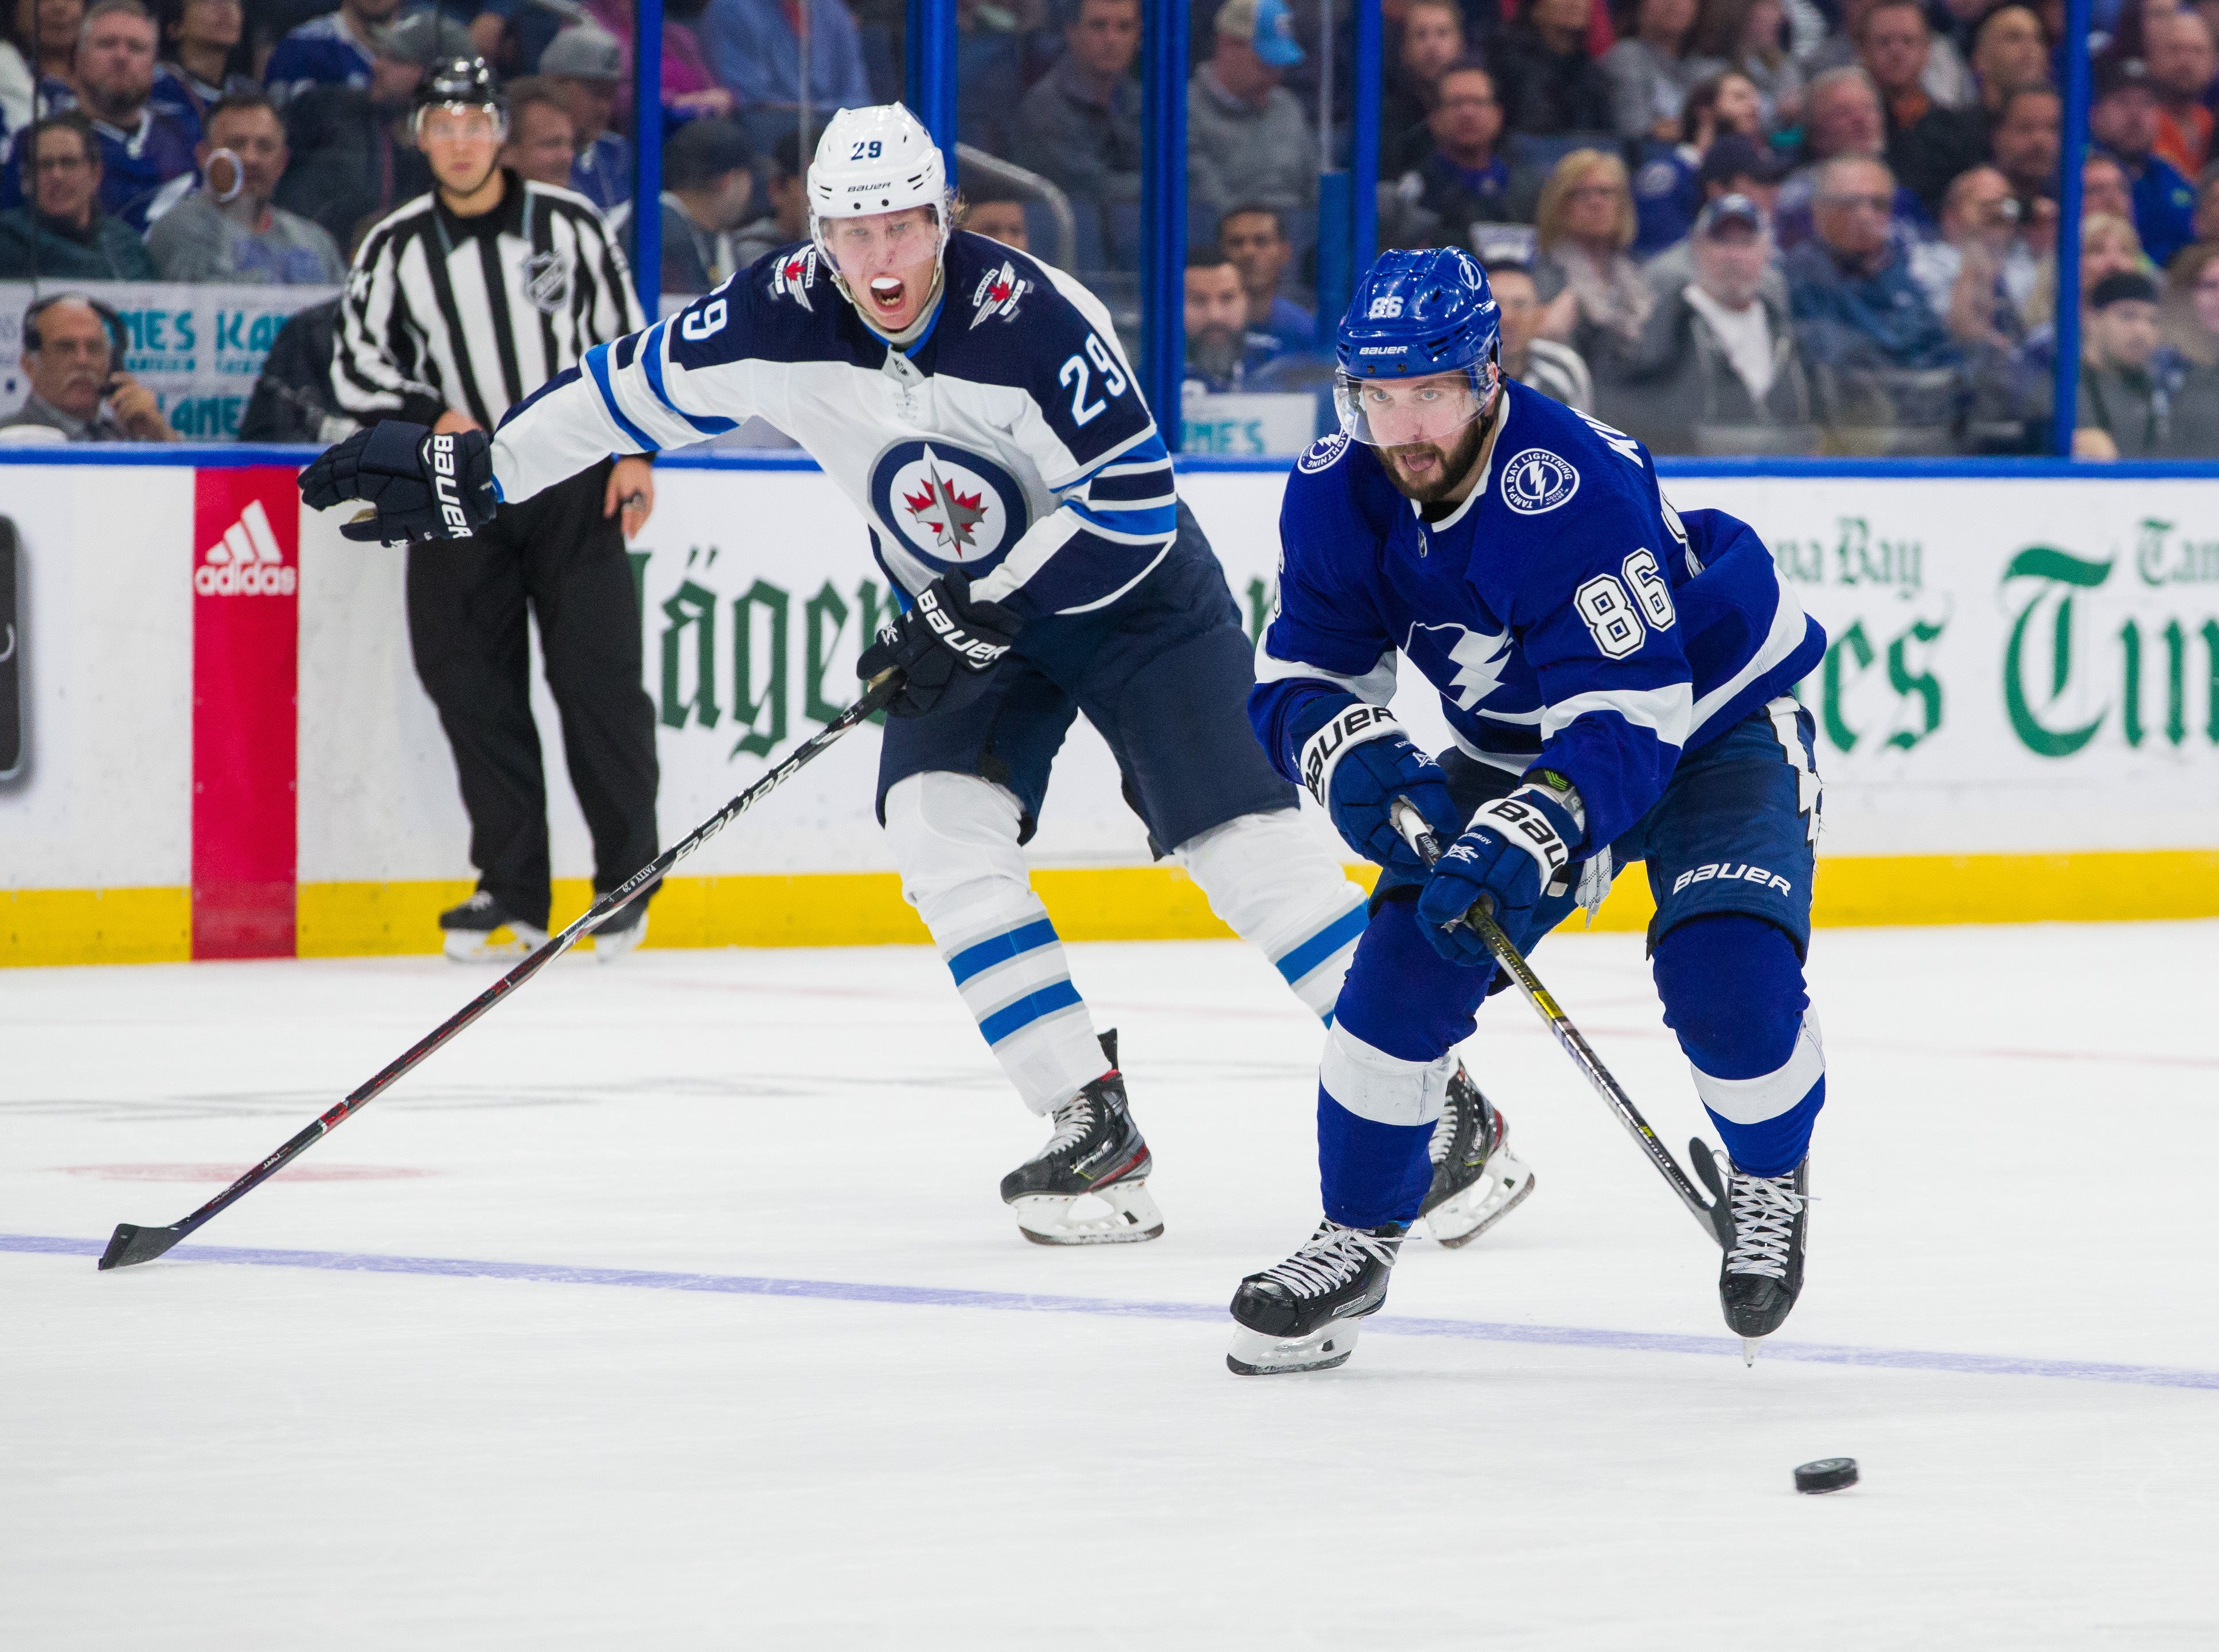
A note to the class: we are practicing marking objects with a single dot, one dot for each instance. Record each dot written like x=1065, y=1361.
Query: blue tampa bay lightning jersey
x=1571, y=619
x=1008, y=441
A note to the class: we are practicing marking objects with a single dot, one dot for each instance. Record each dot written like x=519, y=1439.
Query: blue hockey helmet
x=1417, y=315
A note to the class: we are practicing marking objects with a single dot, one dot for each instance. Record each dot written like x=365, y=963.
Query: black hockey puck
x=1826, y=1475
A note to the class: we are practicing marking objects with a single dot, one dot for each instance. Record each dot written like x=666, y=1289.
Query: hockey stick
x=135, y=1245
x=1412, y=825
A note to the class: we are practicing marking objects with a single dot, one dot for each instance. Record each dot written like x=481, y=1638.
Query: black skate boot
x=1302, y=1316
x=1477, y=1181
x=481, y=929
x=1097, y=1149
x=1761, y=1220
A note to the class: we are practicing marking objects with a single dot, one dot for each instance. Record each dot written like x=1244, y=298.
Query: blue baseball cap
x=1264, y=24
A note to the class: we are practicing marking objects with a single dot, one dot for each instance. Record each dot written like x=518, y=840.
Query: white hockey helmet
x=872, y=160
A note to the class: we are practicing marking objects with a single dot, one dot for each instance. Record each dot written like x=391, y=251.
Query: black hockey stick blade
x=132, y=1245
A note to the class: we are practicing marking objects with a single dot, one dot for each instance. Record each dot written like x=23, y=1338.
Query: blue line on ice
x=835, y=1290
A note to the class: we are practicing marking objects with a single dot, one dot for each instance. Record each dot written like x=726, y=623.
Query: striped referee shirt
x=475, y=314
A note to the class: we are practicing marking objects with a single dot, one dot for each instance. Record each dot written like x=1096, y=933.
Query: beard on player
x=1428, y=472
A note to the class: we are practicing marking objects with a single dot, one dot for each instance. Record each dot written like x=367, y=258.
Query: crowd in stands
x=1770, y=226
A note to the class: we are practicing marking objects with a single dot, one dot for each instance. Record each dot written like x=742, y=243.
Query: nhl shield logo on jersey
x=1322, y=454
x=1537, y=480
x=951, y=507
x=547, y=279
x=998, y=293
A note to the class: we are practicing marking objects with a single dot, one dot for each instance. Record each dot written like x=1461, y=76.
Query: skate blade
x=1131, y=1216
x=1501, y=1187
x=607, y=948
x=1748, y=1352
x=490, y=947
x=1255, y=1354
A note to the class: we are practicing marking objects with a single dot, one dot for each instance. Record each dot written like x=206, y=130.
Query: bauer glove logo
x=1348, y=727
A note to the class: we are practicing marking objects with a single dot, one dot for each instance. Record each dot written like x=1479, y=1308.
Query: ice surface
x=2017, y=1164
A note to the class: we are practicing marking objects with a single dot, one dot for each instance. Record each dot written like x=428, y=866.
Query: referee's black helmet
x=466, y=81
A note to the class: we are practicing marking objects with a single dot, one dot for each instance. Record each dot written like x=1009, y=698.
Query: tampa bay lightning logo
x=1537, y=480
x=951, y=507
x=1321, y=453
x=1465, y=665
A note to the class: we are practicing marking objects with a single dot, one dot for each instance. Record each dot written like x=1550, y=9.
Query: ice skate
x=621, y=931
x=1477, y=1181
x=1096, y=1153
x=1761, y=1221
x=1304, y=1314
x=481, y=930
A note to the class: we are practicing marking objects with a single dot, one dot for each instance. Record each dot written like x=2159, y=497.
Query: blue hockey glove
x=1357, y=764
x=423, y=487
x=945, y=648
x=1515, y=848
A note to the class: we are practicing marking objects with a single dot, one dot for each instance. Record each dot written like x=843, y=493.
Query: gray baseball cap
x=584, y=50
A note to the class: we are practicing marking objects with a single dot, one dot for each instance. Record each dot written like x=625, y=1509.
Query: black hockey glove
x=945, y=648
x=422, y=485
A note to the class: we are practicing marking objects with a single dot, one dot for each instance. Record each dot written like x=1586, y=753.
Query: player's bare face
x=887, y=259
x=1427, y=431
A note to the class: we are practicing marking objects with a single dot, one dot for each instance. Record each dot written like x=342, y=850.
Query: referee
x=459, y=306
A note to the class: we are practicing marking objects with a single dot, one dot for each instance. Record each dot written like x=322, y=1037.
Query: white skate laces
x=1764, y=1209
x=1073, y=1120
x=1329, y=1258
x=1445, y=1129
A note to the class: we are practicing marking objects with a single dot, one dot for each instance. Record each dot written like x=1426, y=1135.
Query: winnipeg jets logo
x=998, y=293
x=947, y=505
x=1479, y=658
x=940, y=507
x=547, y=281
x=794, y=275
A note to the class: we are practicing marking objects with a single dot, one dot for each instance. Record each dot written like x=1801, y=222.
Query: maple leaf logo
x=997, y=292
x=793, y=269
x=952, y=517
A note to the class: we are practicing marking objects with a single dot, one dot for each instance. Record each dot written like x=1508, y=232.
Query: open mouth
x=886, y=294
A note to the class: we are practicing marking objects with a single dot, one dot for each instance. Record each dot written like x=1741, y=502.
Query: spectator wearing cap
x=62, y=233
x=1980, y=274
x=76, y=386
x=1747, y=37
x=336, y=49
x=2123, y=122
x=786, y=182
x=1666, y=196
x=1652, y=70
x=1843, y=118
x=1850, y=288
x=1549, y=81
x=1928, y=143
x=585, y=65
x=201, y=36
x=2130, y=379
x=1430, y=41
x=756, y=54
x=1733, y=166
x=1080, y=127
x=141, y=151
x=997, y=211
x=543, y=144
x=708, y=189
x=1718, y=368
x=2026, y=141
x=2183, y=64
x=229, y=230
x=1246, y=136
x=353, y=156
x=1255, y=239
x=1464, y=180
x=1555, y=370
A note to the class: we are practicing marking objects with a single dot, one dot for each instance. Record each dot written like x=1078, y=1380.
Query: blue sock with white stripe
x=1733, y=990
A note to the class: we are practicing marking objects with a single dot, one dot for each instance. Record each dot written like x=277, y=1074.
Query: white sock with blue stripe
x=954, y=837
x=1278, y=885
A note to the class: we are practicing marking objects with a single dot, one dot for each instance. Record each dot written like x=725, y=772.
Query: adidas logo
x=245, y=562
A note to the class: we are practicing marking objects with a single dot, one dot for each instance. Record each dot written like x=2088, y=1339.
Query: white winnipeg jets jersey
x=1008, y=441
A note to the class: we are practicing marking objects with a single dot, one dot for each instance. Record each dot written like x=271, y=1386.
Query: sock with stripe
x=1277, y=885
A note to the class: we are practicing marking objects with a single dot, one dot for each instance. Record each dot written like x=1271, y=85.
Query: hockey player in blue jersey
x=974, y=406
x=1616, y=677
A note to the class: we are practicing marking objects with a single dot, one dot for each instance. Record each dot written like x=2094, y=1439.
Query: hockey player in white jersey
x=974, y=404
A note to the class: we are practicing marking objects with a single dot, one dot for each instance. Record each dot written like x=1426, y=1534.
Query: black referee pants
x=466, y=625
